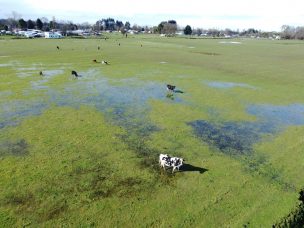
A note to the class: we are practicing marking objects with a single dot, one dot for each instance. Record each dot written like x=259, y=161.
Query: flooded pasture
x=239, y=137
x=124, y=101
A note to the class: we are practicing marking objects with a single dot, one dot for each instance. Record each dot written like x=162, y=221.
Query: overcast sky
x=267, y=15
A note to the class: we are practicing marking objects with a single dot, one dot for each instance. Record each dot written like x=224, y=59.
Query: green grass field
x=84, y=152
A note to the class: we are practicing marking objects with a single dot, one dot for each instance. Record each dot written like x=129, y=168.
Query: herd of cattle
x=164, y=159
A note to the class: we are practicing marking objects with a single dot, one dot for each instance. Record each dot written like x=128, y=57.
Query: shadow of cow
x=190, y=168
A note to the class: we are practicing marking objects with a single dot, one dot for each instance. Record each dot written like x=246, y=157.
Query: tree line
x=169, y=27
x=291, y=32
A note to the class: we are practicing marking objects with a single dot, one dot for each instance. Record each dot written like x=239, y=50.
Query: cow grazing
x=58, y=47
x=40, y=73
x=167, y=161
x=104, y=62
x=75, y=74
x=95, y=61
x=98, y=48
x=170, y=88
x=162, y=158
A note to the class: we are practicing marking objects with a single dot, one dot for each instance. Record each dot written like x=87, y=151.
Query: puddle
x=35, y=69
x=231, y=137
x=279, y=115
x=230, y=42
x=191, y=47
x=14, y=111
x=51, y=73
x=163, y=62
x=6, y=65
x=6, y=93
x=227, y=85
x=47, y=74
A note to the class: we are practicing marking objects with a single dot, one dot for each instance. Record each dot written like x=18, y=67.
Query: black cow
x=75, y=74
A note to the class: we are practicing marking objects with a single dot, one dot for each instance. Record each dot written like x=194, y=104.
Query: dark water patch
x=279, y=115
x=239, y=137
x=231, y=137
x=18, y=148
x=228, y=85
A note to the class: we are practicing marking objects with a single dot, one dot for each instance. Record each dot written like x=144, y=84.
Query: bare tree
x=53, y=23
x=299, y=33
x=288, y=32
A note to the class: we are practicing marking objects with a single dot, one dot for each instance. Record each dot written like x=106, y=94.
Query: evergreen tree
x=39, y=24
x=22, y=24
x=188, y=30
x=30, y=24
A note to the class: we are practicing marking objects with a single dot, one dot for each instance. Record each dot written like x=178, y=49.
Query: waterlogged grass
x=83, y=152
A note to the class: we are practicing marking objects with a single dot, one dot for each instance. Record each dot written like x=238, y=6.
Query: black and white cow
x=170, y=87
x=166, y=161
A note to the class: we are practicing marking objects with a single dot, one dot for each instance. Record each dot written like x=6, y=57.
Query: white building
x=52, y=35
